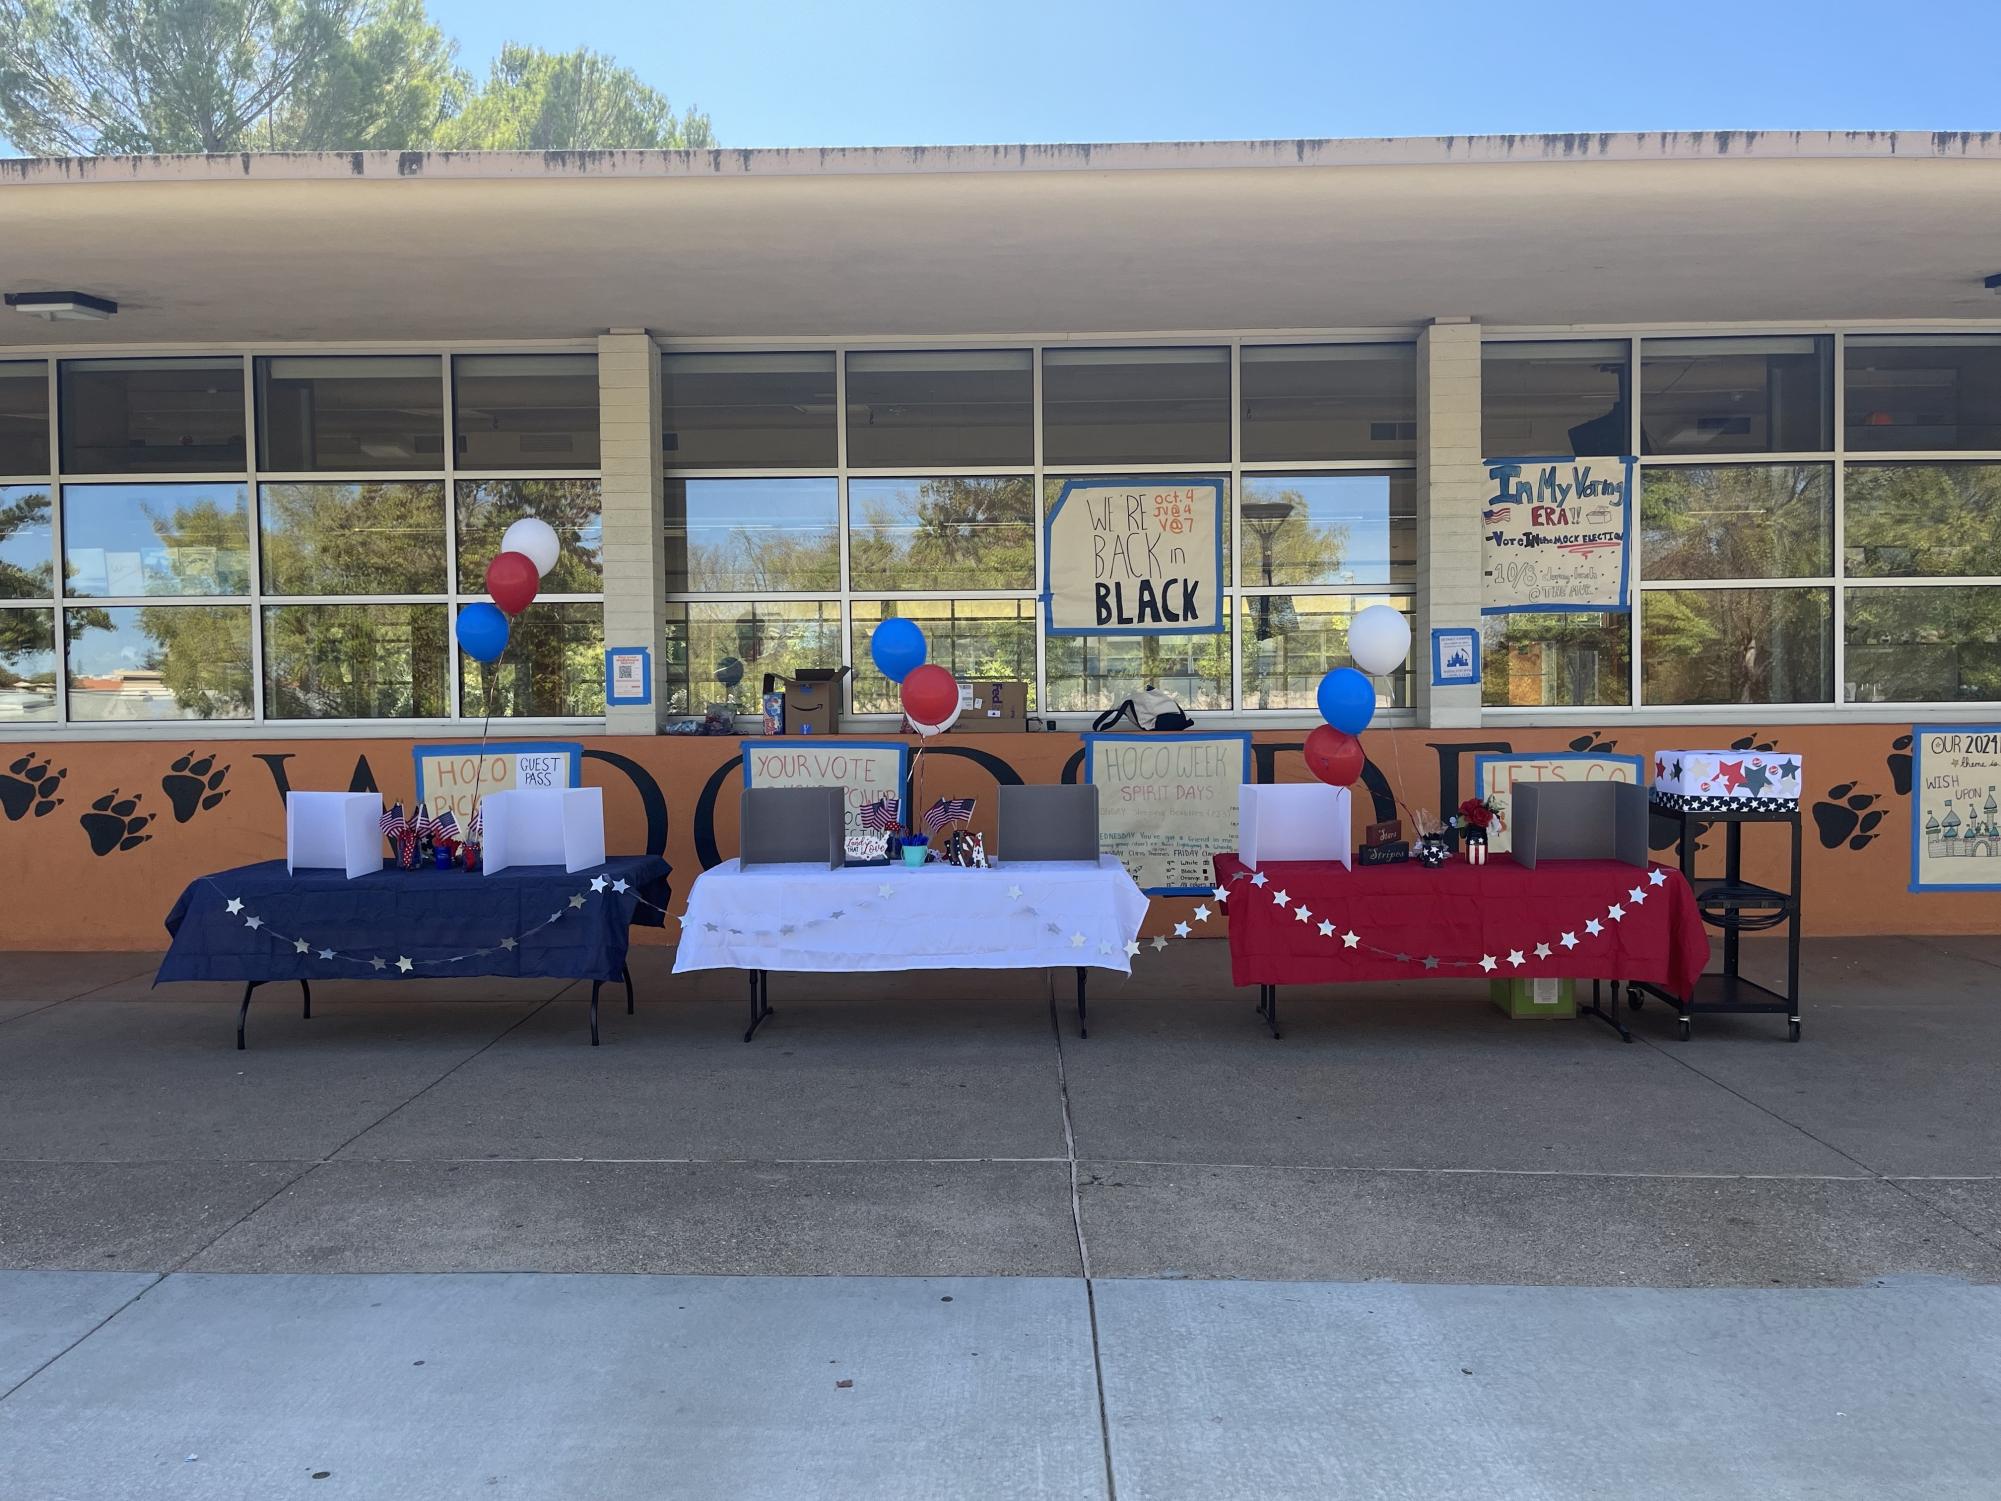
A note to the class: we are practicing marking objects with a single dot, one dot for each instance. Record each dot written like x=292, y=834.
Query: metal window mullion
x=59, y=637
x=1231, y=583
x=846, y=612
x=453, y=683
x=1839, y=415
x=255, y=499
x=1635, y=570
x=1041, y=562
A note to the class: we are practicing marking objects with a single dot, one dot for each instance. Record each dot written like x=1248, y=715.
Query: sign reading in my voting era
x=866, y=770
x=1135, y=557
x=1956, y=807
x=1555, y=534
x=1495, y=777
x=1167, y=803
x=453, y=776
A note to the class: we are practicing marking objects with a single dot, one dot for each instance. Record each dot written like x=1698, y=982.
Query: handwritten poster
x=1956, y=807
x=1555, y=535
x=1167, y=803
x=1495, y=778
x=1135, y=557
x=865, y=770
x=451, y=776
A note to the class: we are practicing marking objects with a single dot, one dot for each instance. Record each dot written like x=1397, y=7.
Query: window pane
x=1329, y=401
x=1924, y=645
x=748, y=411
x=1136, y=406
x=152, y=416
x=1291, y=641
x=765, y=535
x=942, y=533
x=718, y=653
x=526, y=411
x=363, y=538
x=553, y=667
x=27, y=666
x=355, y=662
x=349, y=412
x=1101, y=672
x=155, y=539
x=1736, y=646
x=574, y=507
x=24, y=417
x=159, y=662
x=1931, y=391
x=1741, y=521
x=1922, y=519
x=974, y=639
x=1554, y=399
x=941, y=409
x=1736, y=395
x=1330, y=528
x=1554, y=660
x=27, y=543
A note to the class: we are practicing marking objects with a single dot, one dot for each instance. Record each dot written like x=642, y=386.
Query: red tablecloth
x=1311, y=922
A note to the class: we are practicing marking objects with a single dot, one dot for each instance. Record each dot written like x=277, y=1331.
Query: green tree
x=562, y=101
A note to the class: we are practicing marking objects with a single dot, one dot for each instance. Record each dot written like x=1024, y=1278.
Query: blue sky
x=891, y=72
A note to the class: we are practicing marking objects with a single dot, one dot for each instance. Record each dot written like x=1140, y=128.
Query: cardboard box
x=812, y=702
x=991, y=707
x=1535, y=1000
x=1726, y=781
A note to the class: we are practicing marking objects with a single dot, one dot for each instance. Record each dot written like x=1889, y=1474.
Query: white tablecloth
x=1028, y=915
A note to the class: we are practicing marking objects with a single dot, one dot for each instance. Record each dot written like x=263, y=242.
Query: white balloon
x=928, y=730
x=535, y=537
x=1378, y=640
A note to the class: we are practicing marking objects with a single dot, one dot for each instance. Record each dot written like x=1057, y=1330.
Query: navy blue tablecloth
x=412, y=924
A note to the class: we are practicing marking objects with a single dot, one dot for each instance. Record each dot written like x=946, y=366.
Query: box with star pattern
x=1723, y=781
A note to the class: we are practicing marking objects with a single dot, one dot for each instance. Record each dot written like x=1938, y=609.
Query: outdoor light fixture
x=62, y=307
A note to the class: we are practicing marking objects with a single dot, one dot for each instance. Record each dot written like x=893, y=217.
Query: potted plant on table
x=1475, y=817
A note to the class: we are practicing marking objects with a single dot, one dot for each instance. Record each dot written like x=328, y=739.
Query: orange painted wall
x=98, y=837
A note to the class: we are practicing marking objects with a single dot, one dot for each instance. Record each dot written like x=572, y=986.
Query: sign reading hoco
x=1556, y=534
x=1133, y=557
x=1167, y=803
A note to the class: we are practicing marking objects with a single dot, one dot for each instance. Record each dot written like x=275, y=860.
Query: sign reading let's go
x=1135, y=557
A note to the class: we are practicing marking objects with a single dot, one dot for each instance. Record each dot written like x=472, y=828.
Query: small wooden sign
x=1388, y=832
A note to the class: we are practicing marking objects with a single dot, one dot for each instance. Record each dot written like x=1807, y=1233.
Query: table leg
x=244, y=1011
x=1083, y=1028
x=306, y=991
x=626, y=974
x=1610, y=1018
x=1268, y=1007
x=760, y=1000
x=596, y=985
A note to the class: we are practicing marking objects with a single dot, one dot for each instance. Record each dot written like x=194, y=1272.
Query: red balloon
x=512, y=579
x=1334, y=757
x=930, y=694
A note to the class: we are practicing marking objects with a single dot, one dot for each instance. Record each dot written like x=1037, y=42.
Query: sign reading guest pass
x=454, y=777
x=1135, y=557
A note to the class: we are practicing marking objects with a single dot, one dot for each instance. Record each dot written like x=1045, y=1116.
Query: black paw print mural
x=1900, y=765
x=114, y=822
x=1847, y=817
x=1753, y=742
x=30, y=786
x=1594, y=743
x=193, y=785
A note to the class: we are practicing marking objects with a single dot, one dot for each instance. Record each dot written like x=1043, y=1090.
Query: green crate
x=1535, y=1000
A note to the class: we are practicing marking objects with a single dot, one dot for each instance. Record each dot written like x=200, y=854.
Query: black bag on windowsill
x=1149, y=709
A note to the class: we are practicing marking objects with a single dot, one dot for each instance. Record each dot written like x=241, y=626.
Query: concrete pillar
x=1451, y=488
x=635, y=544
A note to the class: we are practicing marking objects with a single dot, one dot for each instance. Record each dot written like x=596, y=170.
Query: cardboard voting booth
x=1294, y=821
x=557, y=826
x=333, y=831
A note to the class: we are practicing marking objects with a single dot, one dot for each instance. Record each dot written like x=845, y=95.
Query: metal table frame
x=306, y=1007
x=760, y=1001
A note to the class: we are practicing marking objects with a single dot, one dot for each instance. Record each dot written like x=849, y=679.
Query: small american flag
x=445, y=828
x=946, y=812
x=393, y=821
x=473, y=825
x=880, y=815
x=422, y=825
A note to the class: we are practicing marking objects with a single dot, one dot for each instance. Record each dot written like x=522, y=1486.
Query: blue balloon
x=897, y=646
x=1347, y=700
x=482, y=632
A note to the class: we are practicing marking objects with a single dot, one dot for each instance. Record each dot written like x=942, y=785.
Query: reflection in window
x=127, y=540
x=1736, y=395
x=360, y=538
x=718, y=653
x=1136, y=406
x=375, y=661
x=1555, y=399
x=1101, y=672
x=152, y=416
x=780, y=535
x=1927, y=391
x=1555, y=660
x=1738, y=521
x=1291, y=641
x=748, y=411
x=1935, y=645
x=159, y=662
x=27, y=543
x=574, y=507
x=1330, y=528
x=1921, y=520
x=27, y=666
x=942, y=533
x=977, y=640
x=932, y=409
x=553, y=667
x=24, y=417
x=350, y=412
x=1329, y=401
x=526, y=411
x=1736, y=646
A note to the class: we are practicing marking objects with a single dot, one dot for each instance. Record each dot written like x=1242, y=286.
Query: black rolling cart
x=1735, y=907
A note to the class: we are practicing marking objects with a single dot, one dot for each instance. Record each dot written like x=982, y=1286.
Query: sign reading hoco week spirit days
x=452, y=776
x=1135, y=557
x=1556, y=533
x=1956, y=807
x=865, y=770
x=1166, y=803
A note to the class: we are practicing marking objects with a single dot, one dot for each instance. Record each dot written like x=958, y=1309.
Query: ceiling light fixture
x=62, y=307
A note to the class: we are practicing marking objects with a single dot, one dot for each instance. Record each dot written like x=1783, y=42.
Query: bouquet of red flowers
x=1477, y=813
